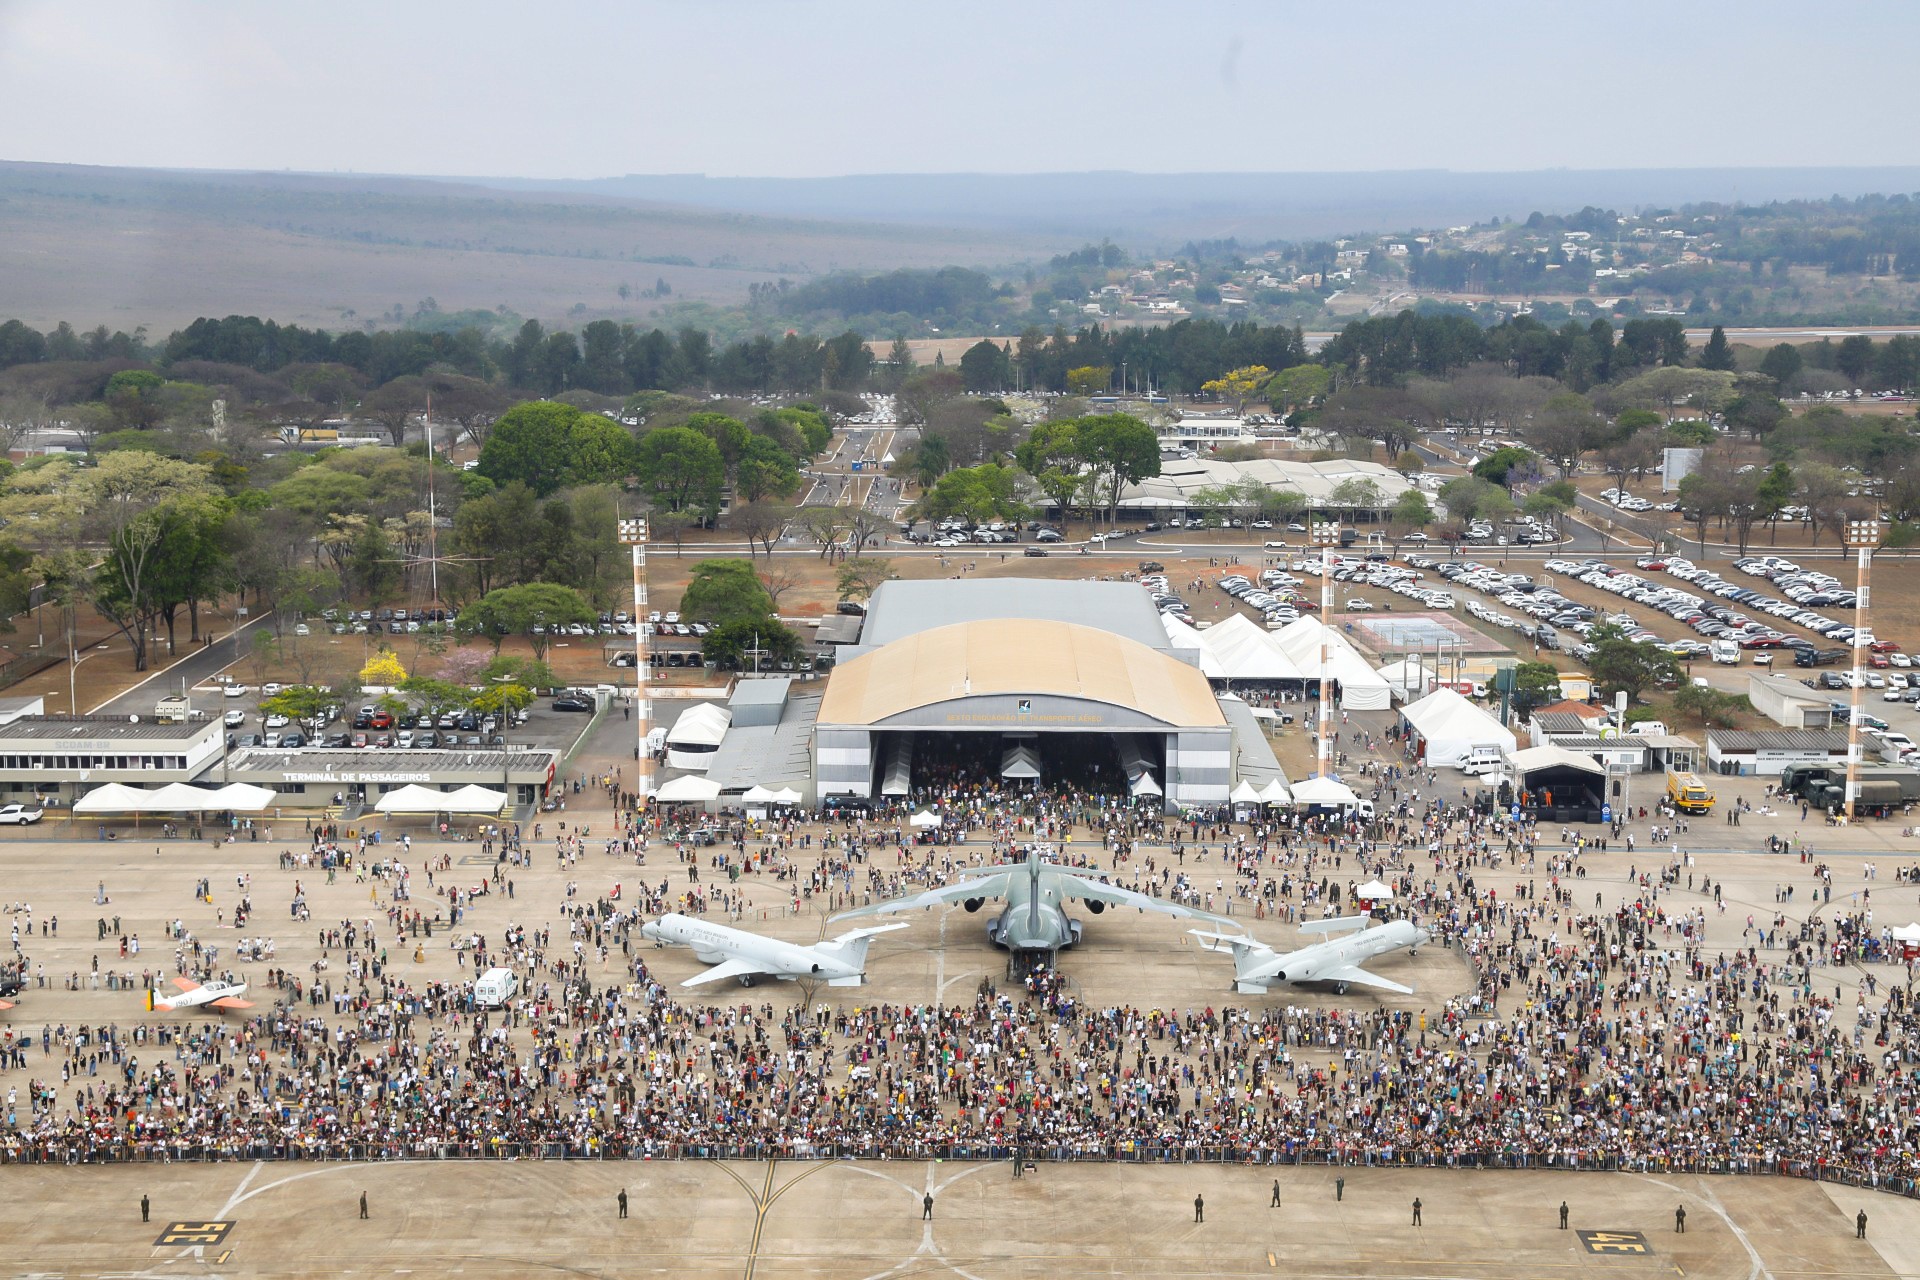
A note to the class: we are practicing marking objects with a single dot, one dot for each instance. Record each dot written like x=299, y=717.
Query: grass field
x=140, y=247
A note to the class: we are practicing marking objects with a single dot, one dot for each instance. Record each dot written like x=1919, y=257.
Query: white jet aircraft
x=194, y=995
x=1257, y=967
x=735, y=953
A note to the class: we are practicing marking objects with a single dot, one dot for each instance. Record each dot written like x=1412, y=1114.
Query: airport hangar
x=1040, y=665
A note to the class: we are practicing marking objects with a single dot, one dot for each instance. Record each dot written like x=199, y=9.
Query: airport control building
x=1028, y=670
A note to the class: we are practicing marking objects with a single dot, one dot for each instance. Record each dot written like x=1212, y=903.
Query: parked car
x=19, y=815
x=570, y=702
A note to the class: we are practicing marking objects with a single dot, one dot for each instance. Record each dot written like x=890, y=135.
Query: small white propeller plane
x=735, y=953
x=194, y=995
x=1257, y=967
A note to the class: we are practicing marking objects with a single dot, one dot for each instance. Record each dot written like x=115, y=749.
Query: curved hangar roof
x=1017, y=656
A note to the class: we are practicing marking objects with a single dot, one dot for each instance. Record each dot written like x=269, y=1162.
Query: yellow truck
x=1688, y=794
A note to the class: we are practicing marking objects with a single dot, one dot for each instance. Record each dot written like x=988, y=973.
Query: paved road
x=196, y=668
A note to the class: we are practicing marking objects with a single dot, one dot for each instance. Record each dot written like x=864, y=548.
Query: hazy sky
x=588, y=88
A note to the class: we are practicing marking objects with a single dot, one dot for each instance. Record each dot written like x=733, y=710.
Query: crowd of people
x=1584, y=1016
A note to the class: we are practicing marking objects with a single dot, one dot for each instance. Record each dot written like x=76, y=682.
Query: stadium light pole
x=1862, y=536
x=633, y=534
x=1325, y=535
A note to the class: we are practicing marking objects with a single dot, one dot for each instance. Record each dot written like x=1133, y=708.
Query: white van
x=494, y=988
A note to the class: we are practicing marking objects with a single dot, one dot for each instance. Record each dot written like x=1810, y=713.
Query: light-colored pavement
x=806, y=1220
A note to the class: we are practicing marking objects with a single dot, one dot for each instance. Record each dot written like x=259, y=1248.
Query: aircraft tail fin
x=1238, y=943
x=1335, y=924
x=851, y=947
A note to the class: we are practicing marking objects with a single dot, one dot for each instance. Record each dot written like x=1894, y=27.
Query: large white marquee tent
x=1454, y=730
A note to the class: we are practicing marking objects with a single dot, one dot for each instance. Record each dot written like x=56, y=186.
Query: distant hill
x=127, y=247
x=1169, y=209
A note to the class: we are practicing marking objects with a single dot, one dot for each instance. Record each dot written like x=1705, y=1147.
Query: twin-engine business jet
x=735, y=953
x=193, y=995
x=1257, y=967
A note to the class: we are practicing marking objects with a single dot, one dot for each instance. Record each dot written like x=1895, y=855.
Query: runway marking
x=188, y=1233
x=1615, y=1241
x=1759, y=1269
x=764, y=1201
x=239, y=1191
x=927, y=1247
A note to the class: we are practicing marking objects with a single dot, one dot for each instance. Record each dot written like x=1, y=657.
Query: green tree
x=1782, y=363
x=749, y=644
x=986, y=368
x=1118, y=450
x=599, y=451
x=722, y=591
x=1775, y=492
x=977, y=494
x=1718, y=353
x=134, y=398
x=861, y=576
x=1690, y=433
x=114, y=526
x=1498, y=466
x=1472, y=498
x=765, y=471
x=1621, y=664
x=1535, y=685
x=1411, y=511
x=304, y=704
x=682, y=469
x=503, y=700
x=1709, y=707
x=508, y=669
x=536, y=610
x=531, y=443
x=1356, y=494
x=1298, y=387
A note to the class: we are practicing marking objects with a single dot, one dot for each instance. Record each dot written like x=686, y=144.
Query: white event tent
x=1454, y=730
x=1323, y=791
x=696, y=735
x=1184, y=638
x=1244, y=650
x=1361, y=687
x=415, y=799
x=688, y=790
x=175, y=797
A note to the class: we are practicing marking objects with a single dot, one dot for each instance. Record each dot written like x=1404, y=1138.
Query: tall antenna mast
x=433, y=517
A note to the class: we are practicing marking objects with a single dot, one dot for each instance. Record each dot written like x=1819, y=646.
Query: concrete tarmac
x=845, y=1219
x=823, y=1219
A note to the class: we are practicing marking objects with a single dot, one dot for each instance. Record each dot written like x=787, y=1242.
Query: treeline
x=1385, y=350
x=618, y=360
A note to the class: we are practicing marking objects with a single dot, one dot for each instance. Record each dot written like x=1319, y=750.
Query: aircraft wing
x=6, y=1004
x=1078, y=886
x=726, y=969
x=231, y=1002
x=1353, y=973
x=987, y=886
x=186, y=984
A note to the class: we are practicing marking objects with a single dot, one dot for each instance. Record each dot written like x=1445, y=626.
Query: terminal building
x=52, y=761
x=57, y=759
